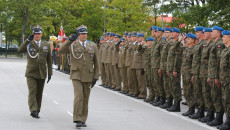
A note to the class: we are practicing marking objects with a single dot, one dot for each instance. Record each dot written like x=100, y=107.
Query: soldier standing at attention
x=84, y=71
x=196, y=63
x=153, y=33
x=158, y=80
x=104, y=58
x=39, y=57
x=173, y=68
x=162, y=70
x=102, y=65
x=188, y=88
x=122, y=67
x=224, y=78
x=213, y=75
x=206, y=89
x=148, y=72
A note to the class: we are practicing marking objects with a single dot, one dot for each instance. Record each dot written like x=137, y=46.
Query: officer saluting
x=84, y=71
x=39, y=55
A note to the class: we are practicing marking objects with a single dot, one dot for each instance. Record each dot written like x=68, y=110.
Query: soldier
x=106, y=63
x=196, y=63
x=116, y=70
x=153, y=33
x=138, y=67
x=213, y=75
x=224, y=78
x=188, y=88
x=102, y=65
x=128, y=61
x=84, y=71
x=174, y=61
x=158, y=80
x=148, y=69
x=206, y=90
x=162, y=70
x=39, y=57
x=122, y=67
x=126, y=36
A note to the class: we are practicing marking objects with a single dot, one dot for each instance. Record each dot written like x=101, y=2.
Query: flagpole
x=62, y=43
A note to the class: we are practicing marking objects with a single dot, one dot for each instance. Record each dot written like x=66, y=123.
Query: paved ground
x=108, y=110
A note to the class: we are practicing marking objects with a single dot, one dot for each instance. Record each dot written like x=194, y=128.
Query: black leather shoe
x=80, y=124
x=133, y=95
x=199, y=114
x=148, y=100
x=34, y=114
x=168, y=104
x=218, y=120
x=209, y=117
x=157, y=99
x=190, y=111
x=175, y=107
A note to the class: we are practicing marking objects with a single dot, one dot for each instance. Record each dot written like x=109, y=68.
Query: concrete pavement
x=108, y=110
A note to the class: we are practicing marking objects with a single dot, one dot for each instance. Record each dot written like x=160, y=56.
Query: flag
x=61, y=35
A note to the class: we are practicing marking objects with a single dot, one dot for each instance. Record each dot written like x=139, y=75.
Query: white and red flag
x=61, y=35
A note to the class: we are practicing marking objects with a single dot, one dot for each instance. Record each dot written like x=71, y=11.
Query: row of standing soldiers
x=131, y=65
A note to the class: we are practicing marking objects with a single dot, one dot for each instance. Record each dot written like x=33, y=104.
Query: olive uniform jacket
x=84, y=60
x=38, y=59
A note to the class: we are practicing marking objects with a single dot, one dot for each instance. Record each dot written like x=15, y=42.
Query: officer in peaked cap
x=39, y=58
x=84, y=71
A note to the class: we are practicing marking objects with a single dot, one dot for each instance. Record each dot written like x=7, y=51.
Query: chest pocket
x=78, y=52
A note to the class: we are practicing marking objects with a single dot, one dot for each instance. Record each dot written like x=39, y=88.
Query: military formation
x=157, y=68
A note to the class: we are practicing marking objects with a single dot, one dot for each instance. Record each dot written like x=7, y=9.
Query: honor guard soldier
x=206, y=89
x=224, y=78
x=213, y=75
x=148, y=69
x=102, y=65
x=188, y=89
x=158, y=82
x=196, y=63
x=39, y=58
x=162, y=70
x=84, y=71
x=173, y=68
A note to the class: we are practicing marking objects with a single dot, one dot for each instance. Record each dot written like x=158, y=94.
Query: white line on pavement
x=70, y=113
x=163, y=110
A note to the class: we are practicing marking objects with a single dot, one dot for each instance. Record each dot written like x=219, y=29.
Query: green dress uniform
x=84, y=68
x=102, y=64
x=128, y=61
x=39, y=58
x=116, y=70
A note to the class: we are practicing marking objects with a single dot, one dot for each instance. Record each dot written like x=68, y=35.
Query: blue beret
x=118, y=36
x=140, y=35
x=189, y=35
x=134, y=34
x=164, y=38
x=160, y=29
x=112, y=34
x=153, y=28
x=130, y=35
x=167, y=29
x=226, y=32
x=217, y=28
x=176, y=30
x=199, y=28
x=149, y=39
x=207, y=30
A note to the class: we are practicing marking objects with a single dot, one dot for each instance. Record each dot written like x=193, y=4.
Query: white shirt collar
x=39, y=43
x=82, y=43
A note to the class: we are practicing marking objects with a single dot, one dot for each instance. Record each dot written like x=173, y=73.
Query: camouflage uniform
x=152, y=62
x=196, y=63
x=174, y=61
x=188, y=89
x=163, y=64
x=206, y=90
x=213, y=73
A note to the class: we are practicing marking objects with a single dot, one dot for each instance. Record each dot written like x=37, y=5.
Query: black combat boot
x=199, y=114
x=209, y=117
x=58, y=68
x=218, y=120
x=175, y=107
x=226, y=125
x=157, y=99
x=160, y=102
x=190, y=111
x=168, y=104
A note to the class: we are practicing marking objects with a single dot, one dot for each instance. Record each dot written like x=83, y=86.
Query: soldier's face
x=175, y=34
x=215, y=33
x=189, y=41
x=153, y=33
x=149, y=43
x=159, y=34
x=207, y=35
x=226, y=39
x=140, y=39
x=134, y=39
x=82, y=37
x=167, y=34
x=129, y=39
x=126, y=38
x=117, y=39
x=37, y=36
x=199, y=34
